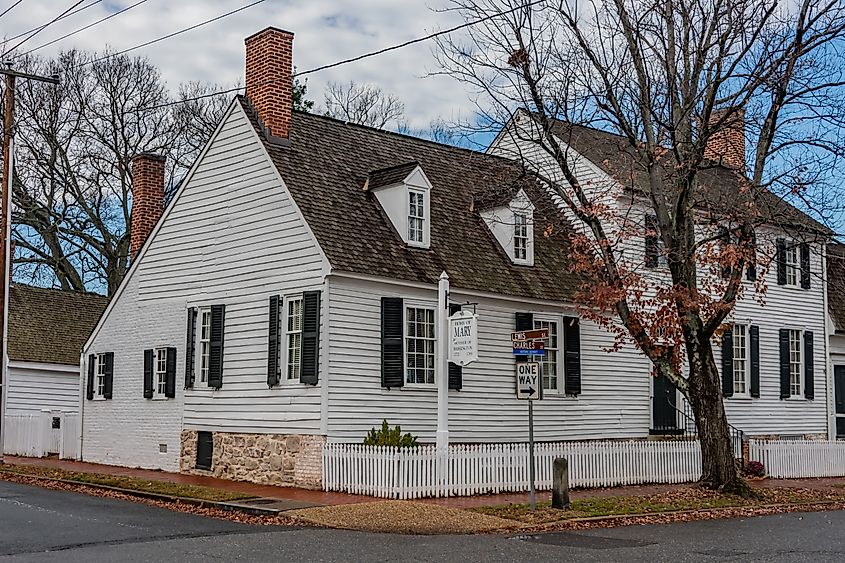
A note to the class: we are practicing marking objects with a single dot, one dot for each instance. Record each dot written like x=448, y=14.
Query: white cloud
x=326, y=31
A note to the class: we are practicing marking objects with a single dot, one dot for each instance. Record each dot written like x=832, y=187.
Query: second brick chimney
x=727, y=144
x=269, y=79
x=147, y=198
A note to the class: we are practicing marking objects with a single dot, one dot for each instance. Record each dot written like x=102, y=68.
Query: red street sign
x=540, y=333
x=529, y=345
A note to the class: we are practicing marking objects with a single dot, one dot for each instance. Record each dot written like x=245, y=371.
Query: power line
x=9, y=9
x=42, y=26
x=174, y=34
x=45, y=26
x=364, y=56
x=81, y=29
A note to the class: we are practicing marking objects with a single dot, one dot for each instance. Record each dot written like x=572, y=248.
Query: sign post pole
x=531, y=453
x=442, y=371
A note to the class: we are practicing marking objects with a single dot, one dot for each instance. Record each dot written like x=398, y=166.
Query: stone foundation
x=267, y=459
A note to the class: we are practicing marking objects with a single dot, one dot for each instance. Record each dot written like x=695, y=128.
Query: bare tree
x=668, y=77
x=364, y=104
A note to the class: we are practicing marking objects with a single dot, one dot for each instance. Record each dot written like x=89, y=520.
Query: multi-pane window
x=416, y=216
x=795, y=362
x=549, y=361
x=160, y=375
x=740, y=352
x=792, y=268
x=520, y=236
x=419, y=345
x=204, y=348
x=101, y=375
x=294, y=337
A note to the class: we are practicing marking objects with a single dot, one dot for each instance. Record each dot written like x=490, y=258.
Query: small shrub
x=386, y=436
x=755, y=469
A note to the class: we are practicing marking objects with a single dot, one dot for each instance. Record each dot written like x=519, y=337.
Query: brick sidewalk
x=324, y=498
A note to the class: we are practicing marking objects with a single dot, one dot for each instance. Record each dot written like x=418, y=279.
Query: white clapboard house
x=287, y=297
x=47, y=328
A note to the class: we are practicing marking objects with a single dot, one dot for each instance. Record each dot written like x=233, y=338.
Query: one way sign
x=529, y=381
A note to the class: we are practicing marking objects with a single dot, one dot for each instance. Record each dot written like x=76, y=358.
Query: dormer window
x=520, y=236
x=403, y=192
x=416, y=216
x=511, y=220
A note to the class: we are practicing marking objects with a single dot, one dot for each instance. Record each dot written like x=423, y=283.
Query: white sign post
x=463, y=338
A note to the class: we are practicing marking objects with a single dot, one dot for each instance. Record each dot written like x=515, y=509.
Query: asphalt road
x=42, y=525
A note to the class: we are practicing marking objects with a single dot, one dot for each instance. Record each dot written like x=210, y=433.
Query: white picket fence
x=795, y=459
x=407, y=473
x=32, y=434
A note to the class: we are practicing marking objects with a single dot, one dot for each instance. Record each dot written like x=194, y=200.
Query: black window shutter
x=170, y=372
x=392, y=342
x=754, y=338
x=92, y=365
x=523, y=321
x=310, y=343
x=456, y=372
x=724, y=243
x=109, y=375
x=804, y=251
x=780, y=258
x=273, y=342
x=728, y=363
x=809, y=392
x=652, y=247
x=783, y=337
x=571, y=356
x=148, y=374
x=190, y=351
x=215, y=354
x=751, y=270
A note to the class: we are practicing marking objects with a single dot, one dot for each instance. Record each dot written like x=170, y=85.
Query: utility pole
x=5, y=225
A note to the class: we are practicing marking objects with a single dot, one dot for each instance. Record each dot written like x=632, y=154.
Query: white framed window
x=796, y=359
x=551, y=381
x=792, y=266
x=520, y=236
x=740, y=354
x=419, y=345
x=204, y=343
x=160, y=372
x=416, y=217
x=100, y=380
x=293, y=337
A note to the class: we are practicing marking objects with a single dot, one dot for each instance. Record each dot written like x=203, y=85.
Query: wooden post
x=560, y=485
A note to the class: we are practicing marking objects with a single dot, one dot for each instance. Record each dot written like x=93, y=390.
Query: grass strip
x=179, y=490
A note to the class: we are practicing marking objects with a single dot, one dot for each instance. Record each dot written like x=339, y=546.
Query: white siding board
x=34, y=387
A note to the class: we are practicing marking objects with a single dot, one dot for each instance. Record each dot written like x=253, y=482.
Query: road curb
x=202, y=503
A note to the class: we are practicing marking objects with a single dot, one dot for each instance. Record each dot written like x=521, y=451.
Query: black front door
x=664, y=414
x=839, y=387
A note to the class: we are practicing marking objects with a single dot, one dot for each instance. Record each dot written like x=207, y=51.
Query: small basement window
x=205, y=450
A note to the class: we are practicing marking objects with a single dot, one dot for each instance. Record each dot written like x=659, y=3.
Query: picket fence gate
x=463, y=470
x=796, y=459
x=33, y=435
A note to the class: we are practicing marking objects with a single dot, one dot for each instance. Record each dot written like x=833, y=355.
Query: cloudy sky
x=326, y=31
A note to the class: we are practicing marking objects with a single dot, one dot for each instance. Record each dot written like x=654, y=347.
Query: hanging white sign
x=463, y=338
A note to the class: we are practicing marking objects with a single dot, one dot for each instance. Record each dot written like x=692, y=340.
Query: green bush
x=385, y=436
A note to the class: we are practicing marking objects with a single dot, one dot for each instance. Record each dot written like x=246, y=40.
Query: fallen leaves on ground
x=404, y=517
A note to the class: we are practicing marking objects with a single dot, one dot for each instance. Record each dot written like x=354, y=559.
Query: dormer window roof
x=511, y=220
x=404, y=193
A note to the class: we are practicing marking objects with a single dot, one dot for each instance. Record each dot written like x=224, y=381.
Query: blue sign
x=522, y=352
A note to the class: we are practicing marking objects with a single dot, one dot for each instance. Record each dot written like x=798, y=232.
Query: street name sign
x=463, y=338
x=537, y=334
x=529, y=347
x=529, y=382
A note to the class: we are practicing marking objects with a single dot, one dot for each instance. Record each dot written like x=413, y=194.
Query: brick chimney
x=269, y=79
x=147, y=198
x=727, y=144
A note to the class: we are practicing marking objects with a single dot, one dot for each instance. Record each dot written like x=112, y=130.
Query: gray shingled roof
x=390, y=176
x=836, y=284
x=328, y=161
x=50, y=325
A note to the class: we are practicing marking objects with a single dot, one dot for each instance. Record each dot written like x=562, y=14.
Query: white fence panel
x=26, y=434
x=69, y=436
x=463, y=470
x=796, y=459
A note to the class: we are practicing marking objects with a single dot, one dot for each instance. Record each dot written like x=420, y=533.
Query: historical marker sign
x=529, y=381
x=463, y=338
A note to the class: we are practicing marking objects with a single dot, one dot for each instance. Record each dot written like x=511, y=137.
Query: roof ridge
x=85, y=293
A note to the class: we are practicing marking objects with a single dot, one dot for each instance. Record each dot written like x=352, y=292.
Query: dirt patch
x=404, y=517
